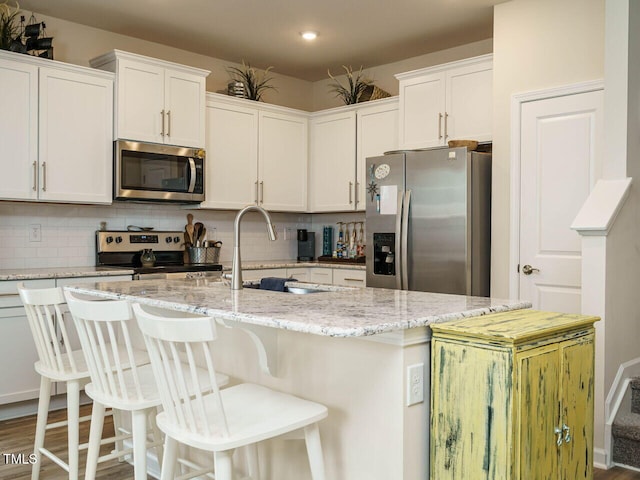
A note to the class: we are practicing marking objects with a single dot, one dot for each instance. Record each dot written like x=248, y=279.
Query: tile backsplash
x=67, y=232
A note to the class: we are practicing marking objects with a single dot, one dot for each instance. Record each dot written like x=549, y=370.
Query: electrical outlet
x=214, y=234
x=286, y=232
x=35, y=233
x=415, y=384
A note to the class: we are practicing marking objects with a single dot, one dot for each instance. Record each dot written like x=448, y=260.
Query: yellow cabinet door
x=537, y=413
x=577, y=408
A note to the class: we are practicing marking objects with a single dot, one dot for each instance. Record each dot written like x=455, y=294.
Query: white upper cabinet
x=256, y=154
x=157, y=101
x=341, y=140
x=447, y=102
x=332, y=179
x=58, y=138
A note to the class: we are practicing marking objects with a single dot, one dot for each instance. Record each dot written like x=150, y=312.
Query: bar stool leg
x=41, y=424
x=314, y=451
x=139, y=431
x=170, y=459
x=223, y=465
x=73, y=426
x=253, y=467
x=95, y=436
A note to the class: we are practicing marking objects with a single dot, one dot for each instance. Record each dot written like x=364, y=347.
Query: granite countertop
x=336, y=312
x=61, y=272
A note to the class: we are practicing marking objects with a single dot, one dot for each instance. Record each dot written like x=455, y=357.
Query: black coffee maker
x=306, y=245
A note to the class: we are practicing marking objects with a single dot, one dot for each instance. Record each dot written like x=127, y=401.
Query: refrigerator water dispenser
x=384, y=258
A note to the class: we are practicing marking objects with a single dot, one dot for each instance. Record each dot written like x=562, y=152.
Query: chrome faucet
x=236, y=265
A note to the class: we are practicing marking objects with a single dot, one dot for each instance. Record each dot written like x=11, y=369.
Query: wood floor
x=16, y=437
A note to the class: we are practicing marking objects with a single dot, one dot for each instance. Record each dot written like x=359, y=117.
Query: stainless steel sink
x=294, y=290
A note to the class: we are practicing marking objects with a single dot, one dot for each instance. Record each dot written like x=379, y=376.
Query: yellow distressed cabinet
x=512, y=397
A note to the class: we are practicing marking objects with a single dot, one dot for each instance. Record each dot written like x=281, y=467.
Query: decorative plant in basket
x=10, y=30
x=254, y=82
x=359, y=88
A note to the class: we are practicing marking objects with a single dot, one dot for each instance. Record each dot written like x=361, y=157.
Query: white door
x=333, y=162
x=75, y=137
x=422, y=109
x=184, y=104
x=561, y=152
x=231, y=169
x=282, y=162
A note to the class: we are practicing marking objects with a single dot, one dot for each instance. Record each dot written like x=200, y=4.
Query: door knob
x=528, y=270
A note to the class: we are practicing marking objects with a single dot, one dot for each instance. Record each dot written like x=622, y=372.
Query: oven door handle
x=192, y=177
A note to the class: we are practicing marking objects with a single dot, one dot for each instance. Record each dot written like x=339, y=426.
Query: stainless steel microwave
x=161, y=173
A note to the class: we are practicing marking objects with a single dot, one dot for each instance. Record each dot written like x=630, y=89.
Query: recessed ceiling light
x=309, y=35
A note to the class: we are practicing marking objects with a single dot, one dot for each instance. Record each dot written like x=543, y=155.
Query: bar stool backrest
x=103, y=328
x=44, y=313
x=171, y=341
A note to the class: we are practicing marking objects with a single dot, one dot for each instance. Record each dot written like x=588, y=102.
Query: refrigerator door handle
x=399, y=252
x=405, y=239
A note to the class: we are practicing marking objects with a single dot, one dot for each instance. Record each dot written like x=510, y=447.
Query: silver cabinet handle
x=528, y=269
x=446, y=124
x=261, y=193
x=558, y=431
x=168, y=123
x=567, y=430
x=356, y=193
x=35, y=176
x=257, y=192
x=162, y=120
x=350, y=196
x=44, y=176
x=439, y=126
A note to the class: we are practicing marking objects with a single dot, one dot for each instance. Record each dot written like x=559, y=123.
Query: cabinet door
x=332, y=175
x=282, y=162
x=19, y=130
x=470, y=102
x=577, y=376
x=537, y=413
x=232, y=156
x=184, y=107
x=349, y=278
x=422, y=109
x=301, y=274
x=377, y=133
x=17, y=348
x=140, y=102
x=321, y=275
x=75, y=138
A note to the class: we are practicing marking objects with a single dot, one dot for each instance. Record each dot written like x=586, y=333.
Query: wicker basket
x=372, y=93
x=203, y=255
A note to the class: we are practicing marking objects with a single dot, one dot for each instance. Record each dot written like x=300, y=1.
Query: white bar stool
x=116, y=380
x=55, y=364
x=216, y=420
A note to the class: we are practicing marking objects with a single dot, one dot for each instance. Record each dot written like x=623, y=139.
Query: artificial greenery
x=357, y=83
x=9, y=24
x=255, y=83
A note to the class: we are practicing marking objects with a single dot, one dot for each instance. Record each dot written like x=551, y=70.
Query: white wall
x=537, y=44
x=77, y=44
x=68, y=231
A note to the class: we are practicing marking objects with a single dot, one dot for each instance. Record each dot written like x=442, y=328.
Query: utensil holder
x=203, y=255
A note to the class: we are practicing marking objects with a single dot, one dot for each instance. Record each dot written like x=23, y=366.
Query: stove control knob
x=118, y=239
x=176, y=239
x=168, y=239
x=109, y=239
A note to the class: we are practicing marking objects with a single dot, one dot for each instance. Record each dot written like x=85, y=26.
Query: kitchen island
x=348, y=348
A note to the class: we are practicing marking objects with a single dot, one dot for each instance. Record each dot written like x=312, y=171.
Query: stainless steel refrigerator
x=428, y=221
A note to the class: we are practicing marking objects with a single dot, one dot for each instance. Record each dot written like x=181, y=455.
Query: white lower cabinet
x=17, y=350
x=301, y=274
x=256, y=275
x=321, y=275
x=349, y=278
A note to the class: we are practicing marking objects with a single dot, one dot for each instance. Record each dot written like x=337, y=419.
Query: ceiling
x=267, y=32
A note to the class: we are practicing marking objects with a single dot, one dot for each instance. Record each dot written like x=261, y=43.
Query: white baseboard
x=600, y=459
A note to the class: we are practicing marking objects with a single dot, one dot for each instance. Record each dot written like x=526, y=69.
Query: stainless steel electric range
x=117, y=248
